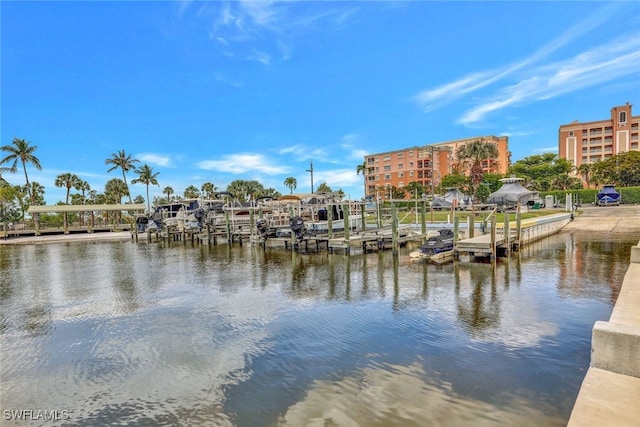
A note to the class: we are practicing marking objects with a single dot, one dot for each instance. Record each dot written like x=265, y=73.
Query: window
x=386, y=158
x=400, y=155
x=623, y=117
x=387, y=176
x=400, y=165
x=387, y=167
x=570, y=133
x=400, y=174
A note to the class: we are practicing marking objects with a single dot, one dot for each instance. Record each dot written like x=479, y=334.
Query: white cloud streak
x=156, y=159
x=528, y=83
x=272, y=25
x=243, y=163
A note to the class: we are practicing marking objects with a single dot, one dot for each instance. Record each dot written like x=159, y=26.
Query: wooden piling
x=506, y=232
x=493, y=236
x=394, y=229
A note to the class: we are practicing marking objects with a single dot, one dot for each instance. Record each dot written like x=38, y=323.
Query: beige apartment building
x=426, y=165
x=587, y=142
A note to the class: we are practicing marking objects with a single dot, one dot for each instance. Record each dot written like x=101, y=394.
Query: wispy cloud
x=303, y=152
x=261, y=30
x=223, y=78
x=156, y=159
x=527, y=83
x=243, y=163
x=602, y=64
x=350, y=143
x=338, y=178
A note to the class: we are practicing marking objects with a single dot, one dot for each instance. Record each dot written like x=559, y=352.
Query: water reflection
x=197, y=335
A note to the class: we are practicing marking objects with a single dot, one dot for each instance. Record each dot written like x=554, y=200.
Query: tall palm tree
x=473, y=154
x=146, y=176
x=362, y=167
x=208, y=190
x=291, y=183
x=84, y=187
x=123, y=161
x=168, y=191
x=21, y=150
x=67, y=180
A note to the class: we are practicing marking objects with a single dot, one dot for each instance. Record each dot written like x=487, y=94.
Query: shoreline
x=615, y=219
x=113, y=236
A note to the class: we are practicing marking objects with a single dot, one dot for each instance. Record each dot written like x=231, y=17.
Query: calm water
x=151, y=335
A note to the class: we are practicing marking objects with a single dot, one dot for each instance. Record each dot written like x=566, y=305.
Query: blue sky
x=218, y=91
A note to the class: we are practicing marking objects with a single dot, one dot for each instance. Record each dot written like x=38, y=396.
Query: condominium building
x=587, y=142
x=426, y=165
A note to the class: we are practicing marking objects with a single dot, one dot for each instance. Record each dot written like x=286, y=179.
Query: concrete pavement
x=610, y=392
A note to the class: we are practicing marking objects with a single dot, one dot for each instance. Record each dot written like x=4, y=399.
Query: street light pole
x=311, y=171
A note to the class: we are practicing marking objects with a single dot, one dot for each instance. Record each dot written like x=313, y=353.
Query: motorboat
x=608, y=196
x=434, y=245
x=181, y=215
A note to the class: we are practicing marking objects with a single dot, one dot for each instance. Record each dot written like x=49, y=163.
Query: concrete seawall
x=610, y=392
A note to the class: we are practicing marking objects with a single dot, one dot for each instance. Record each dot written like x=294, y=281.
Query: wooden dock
x=479, y=245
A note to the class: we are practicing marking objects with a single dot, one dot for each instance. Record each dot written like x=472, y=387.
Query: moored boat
x=608, y=196
x=435, y=245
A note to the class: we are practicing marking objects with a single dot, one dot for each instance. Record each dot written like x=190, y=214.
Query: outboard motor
x=263, y=228
x=200, y=215
x=297, y=227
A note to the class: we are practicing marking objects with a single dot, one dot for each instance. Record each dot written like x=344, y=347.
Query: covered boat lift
x=451, y=196
x=511, y=193
x=119, y=207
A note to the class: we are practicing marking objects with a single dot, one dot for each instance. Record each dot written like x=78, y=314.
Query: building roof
x=86, y=208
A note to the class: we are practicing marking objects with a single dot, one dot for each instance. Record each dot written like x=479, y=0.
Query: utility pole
x=311, y=170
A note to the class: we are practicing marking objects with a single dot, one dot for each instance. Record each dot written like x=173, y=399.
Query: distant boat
x=608, y=196
x=184, y=214
x=511, y=193
x=435, y=245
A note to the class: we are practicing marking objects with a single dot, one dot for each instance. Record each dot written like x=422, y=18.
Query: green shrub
x=628, y=195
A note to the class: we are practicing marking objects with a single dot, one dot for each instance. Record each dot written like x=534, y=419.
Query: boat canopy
x=511, y=193
x=451, y=195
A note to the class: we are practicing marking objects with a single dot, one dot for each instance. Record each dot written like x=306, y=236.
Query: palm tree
x=146, y=176
x=37, y=193
x=473, y=154
x=2, y=169
x=21, y=150
x=585, y=171
x=67, y=180
x=208, y=190
x=84, y=187
x=191, y=192
x=291, y=183
x=168, y=191
x=115, y=189
x=123, y=161
x=362, y=167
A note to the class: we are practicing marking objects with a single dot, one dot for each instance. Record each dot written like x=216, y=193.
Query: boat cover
x=449, y=196
x=511, y=193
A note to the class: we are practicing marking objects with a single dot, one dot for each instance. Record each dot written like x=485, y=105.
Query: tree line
x=15, y=200
x=542, y=172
